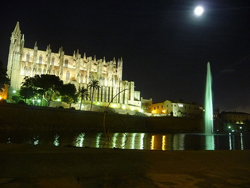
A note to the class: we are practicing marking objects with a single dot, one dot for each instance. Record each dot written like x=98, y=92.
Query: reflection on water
x=210, y=142
x=36, y=140
x=80, y=140
x=241, y=142
x=231, y=141
x=56, y=140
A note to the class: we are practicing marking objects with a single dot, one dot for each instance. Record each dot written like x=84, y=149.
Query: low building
x=178, y=109
x=235, y=121
x=146, y=105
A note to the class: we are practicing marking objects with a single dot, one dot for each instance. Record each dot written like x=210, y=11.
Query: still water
x=142, y=141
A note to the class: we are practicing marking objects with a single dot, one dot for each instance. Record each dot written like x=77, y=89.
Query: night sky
x=165, y=48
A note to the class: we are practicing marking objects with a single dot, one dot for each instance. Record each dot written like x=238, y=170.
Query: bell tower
x=14, y=59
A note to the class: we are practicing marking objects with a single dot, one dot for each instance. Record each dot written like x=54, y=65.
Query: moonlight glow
x=198, y=11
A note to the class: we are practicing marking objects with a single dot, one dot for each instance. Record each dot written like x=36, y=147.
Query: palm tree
x=82, y=92
x=94, y=84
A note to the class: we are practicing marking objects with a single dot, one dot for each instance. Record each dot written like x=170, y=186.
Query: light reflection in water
x=163, y=145
x=56, y=141
x=209, y=142
x=36, y=140
x=230, y=141
x=80, y=140
x=8, y=142
x=124, y=140
x=133, y=141
x=241, y=142
x=178, y=142
x=152, y=145
x=114, y=140
x=142, y=141
x=98, y=138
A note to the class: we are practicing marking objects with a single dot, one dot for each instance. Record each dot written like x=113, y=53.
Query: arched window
x=52, y=61
x=28, y=57
x=40, y=59
x=67, y=75
x=66, y=63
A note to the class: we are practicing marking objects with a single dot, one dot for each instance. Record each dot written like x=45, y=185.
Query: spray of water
x=208, y=102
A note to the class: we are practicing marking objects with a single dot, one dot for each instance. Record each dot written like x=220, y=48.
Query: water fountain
x=208, y=102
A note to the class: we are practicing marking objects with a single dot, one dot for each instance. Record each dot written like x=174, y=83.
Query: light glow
x=198, y=11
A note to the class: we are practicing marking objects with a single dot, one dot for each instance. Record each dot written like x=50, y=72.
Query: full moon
x=198, y=11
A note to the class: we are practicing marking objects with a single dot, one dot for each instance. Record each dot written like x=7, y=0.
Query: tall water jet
x=208, y=102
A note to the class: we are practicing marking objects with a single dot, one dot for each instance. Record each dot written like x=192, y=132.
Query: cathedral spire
x=48, y=48
x=104, y=61
x=17, y=29
x=84, y=56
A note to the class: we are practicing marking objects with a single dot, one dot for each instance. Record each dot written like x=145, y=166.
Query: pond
x=142, y=141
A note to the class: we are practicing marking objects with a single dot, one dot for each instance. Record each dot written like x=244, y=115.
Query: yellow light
x=141, y=110
x=123, y=107
x=0, y=98
x=114, y=105
x=163, y=111
x=153, y=112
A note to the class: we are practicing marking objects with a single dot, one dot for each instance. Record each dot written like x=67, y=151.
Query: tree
x=44, y=85
x=26, y=93
x=82, y=93
x=68, y=93
x=93, y=85
x=3, y=76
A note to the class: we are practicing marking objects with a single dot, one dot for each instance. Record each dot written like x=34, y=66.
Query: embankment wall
x=23, y=117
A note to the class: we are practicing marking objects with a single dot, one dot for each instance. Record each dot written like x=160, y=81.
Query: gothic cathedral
x=71, y=69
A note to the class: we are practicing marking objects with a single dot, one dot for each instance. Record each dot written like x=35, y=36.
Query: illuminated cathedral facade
x=76, y=69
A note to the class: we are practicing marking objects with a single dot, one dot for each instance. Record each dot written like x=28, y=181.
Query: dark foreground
x=49, y=166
